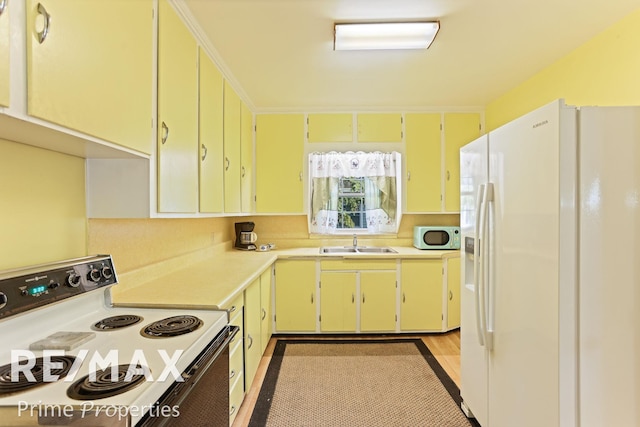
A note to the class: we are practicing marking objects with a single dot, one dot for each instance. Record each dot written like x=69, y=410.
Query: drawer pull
x=232, y=374
x=232, y=309
x=250, y=341
x=232, y=410
x=264, y=314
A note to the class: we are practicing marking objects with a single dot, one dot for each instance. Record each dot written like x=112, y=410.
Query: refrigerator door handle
x=476, y=265
x=486, y=285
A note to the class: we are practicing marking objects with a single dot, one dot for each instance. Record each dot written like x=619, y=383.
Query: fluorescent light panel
x=384, y=35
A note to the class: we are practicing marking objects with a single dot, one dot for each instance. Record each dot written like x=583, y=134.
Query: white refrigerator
x=550, y=298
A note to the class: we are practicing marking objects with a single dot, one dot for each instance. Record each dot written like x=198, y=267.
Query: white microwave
x=441, y=238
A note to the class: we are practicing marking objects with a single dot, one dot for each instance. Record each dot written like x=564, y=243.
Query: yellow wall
x=603, y=71
x=42, y=206
x=135, y=243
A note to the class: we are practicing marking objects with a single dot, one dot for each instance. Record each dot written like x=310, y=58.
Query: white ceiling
x=278, y=54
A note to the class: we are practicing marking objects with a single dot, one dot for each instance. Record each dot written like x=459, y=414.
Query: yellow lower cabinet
x=252, y=346
x=295, y=295
x=236, y=396
x=338, y=301
x=421, y=295
x=453, y=289
x=266, y=324
x=377, y=301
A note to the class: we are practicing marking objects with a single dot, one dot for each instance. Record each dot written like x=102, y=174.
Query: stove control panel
x=33, y=287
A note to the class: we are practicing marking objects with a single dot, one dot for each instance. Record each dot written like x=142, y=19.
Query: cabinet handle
x=450, y=295
x=403, y=297
x=250, y=341
x=363, y=298
x=233, y=409
x=232, y=374
x=312, y=298
x=448, y=175
x=243, y=171
x=42, y=35
x=165, y=132
x=3, y=6
x=353, y=298
x=232, y=309
x=204, y=154
x=264, y=314
x=408, y=175
x=228, y=163
x=300, y=176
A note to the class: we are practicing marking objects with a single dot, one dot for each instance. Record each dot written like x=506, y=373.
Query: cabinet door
x=279, y=163
x=453, y=288
x=4, y=55
x=421, y=296
x=177, y=114
x=338, y=301
x=330, y=127
x=211, y=189
x=252, y=324
x=231, y=150
x=93, y=71
x=295, y=296
x=246, y=158
x=377, y=301
x=265, y=314
x=424, y=162
x=459, y=130
x=375, y=127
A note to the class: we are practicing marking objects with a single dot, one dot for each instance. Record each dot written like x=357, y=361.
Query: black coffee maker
x=245, y=237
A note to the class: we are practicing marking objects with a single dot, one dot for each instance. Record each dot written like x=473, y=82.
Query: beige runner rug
x=368, y=383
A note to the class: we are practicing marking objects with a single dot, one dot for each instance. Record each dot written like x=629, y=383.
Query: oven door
x=203, y=398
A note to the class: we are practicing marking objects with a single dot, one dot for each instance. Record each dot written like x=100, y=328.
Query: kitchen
x=30, y=186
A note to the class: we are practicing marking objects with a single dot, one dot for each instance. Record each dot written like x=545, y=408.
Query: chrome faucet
x=355, y=241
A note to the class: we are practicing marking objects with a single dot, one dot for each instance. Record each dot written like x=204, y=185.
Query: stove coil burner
x=117, y=322
x=171, y=327
x=8, y=387
x=105, y=385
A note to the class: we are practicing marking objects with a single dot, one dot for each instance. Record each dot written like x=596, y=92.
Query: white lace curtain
x=380, y=189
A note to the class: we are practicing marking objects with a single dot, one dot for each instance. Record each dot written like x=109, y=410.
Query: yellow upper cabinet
x=177, y=114
x=232, y=167
x=376, y=127
x=4, y=53
x=459, y=129
x=424, y=162
x=327, y=127
x=246, y=158
x=279, y=163
x=89, y=67
x=211, y=136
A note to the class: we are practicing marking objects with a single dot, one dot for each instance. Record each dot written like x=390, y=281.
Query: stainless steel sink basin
x=352, y=250
x=375, y=250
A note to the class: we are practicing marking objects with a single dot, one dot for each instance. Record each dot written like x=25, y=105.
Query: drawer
x=353, y=264
x=236, y=396
x=236, y=362
x=235, y=306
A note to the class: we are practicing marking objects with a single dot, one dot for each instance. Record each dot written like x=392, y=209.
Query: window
x=354, y=192
x=351, y=203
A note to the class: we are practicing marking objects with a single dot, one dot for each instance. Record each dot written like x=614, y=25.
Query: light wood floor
x=445, y=347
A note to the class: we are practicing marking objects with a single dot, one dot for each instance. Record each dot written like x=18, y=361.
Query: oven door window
x=436, y=238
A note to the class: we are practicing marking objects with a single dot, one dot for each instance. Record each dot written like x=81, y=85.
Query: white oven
x=70, y=358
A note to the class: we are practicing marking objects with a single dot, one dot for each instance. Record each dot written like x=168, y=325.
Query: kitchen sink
x=352, y=250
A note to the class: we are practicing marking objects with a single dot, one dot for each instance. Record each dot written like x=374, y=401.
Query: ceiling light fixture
x=384, y=35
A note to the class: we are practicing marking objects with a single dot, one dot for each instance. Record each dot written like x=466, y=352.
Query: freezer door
x=473, y=357
x=523, y=271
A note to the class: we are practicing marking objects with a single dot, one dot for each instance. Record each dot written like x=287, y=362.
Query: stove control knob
x=107, y=272
x=94, y=275
x=54, y=285
x=3, y=299
x=73, y=280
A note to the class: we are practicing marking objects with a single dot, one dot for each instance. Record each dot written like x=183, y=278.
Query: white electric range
x=68, y=357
